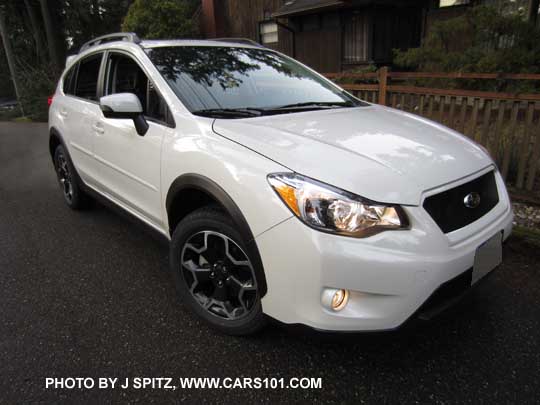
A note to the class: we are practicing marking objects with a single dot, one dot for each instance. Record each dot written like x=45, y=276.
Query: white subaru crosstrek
x=282, y=195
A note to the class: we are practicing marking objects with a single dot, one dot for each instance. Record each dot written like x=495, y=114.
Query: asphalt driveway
x=89, y=294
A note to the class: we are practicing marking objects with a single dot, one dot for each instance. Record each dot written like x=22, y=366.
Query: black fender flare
x=54, y=133
x=214, y=190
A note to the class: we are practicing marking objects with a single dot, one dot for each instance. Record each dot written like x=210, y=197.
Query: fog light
x=334, y=299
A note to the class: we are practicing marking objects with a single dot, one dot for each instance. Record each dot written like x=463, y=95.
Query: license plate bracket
x=488, y=256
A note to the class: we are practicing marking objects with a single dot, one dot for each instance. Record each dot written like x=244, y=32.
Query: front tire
x=68, y=180
x=213, y=273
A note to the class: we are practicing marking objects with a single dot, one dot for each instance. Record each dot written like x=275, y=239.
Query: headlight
x=330, y=209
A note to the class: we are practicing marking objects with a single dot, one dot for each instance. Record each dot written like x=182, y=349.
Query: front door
x=129, y=165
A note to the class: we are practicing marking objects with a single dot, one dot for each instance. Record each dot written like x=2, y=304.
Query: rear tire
x=213, y=273
x=69, y=182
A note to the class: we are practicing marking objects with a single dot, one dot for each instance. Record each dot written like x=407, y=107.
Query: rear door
x=129, y=165
x=80, y=111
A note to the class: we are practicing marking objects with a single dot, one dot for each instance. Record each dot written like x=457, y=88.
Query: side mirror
x=126, y=106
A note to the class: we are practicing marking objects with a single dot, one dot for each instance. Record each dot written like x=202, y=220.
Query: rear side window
x=68, y=80
x=87, y=77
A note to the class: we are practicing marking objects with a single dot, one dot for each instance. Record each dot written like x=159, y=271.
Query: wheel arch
x=55, y=139
x=180, y=196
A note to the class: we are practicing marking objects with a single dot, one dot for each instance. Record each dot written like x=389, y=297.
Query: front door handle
x=98, y=128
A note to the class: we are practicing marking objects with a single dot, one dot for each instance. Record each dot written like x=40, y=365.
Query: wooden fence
x=507, y=124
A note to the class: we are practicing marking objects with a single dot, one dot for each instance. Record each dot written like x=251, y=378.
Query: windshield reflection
x=210, y=77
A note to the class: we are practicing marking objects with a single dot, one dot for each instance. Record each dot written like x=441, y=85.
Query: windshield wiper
x=315, y=104
x=230, y=112
x=257, y=112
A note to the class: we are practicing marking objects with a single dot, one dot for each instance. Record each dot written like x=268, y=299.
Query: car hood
x=376, y=152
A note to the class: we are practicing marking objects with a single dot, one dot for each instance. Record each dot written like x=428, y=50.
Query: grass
x=9, y=115
x=22, y=119
x=15, y=116
x=529, y=234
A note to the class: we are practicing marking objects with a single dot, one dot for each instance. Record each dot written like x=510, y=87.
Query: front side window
x=87, y=77
x=206, y=77
x=124, y=75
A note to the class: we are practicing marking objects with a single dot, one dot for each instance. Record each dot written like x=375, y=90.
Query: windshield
x=209, y=78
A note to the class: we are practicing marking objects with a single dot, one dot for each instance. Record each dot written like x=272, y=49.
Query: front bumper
x=389, y=275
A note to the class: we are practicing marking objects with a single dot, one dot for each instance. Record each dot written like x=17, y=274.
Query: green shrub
x=162, y=18
x=481, y=40
x=38, y=83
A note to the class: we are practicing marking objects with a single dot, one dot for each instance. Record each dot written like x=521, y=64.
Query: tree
x=38, y=32
x=54, y=52
x=484, y=39
x=10, y=56
x=533, y=11
x=481, y=40
x=35, y=28
x=162, y=18
x=87, y=19
x=6, y=84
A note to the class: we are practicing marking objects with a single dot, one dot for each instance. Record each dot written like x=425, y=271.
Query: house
x=338, y=35
x=328, y=35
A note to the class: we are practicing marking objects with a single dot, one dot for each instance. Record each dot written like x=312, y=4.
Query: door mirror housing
x=125, y=106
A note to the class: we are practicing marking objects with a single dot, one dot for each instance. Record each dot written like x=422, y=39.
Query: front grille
x=448, y=208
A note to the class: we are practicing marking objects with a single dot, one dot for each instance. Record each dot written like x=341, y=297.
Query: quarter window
x=124, y=75
x=87, y=77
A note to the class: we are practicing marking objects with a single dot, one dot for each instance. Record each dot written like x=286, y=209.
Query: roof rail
x=119, y=36
x=244, y=41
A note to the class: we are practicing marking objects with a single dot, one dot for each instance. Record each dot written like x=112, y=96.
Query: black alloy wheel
x=219, y=275
x=65, y=177
x=214, y=273
x=69, y=182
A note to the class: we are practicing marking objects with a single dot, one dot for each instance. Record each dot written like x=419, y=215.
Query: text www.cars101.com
x=168, y=383
x=251, y=383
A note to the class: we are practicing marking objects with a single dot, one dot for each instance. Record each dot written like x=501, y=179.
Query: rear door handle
x=98, y=128
x=63, y=112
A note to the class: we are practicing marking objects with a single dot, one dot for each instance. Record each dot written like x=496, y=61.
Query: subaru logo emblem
x=472, y=200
